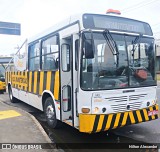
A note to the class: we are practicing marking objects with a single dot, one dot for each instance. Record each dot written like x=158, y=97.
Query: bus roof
x=70, y=20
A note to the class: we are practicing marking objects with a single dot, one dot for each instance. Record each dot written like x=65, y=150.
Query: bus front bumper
x=91, y=123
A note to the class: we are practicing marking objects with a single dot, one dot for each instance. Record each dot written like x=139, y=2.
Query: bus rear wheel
x=12, y=98
x=50, y=113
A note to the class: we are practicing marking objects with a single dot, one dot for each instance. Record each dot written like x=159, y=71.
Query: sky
x=36, y=16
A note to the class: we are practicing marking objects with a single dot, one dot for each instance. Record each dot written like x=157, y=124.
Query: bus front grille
x=126, y=107
x=117, y=99
x=137, y=97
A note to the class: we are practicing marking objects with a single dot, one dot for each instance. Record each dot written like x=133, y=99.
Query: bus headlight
x=85, y=110
x=96, y=110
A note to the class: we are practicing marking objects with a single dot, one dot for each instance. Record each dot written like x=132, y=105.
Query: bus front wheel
x=50, y=113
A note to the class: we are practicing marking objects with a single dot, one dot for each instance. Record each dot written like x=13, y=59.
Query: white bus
x=95, y=72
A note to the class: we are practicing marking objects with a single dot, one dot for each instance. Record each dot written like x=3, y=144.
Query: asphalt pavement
x=19, y=131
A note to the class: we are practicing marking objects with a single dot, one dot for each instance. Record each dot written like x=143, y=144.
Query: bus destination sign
x=116, y=23
x=123, y=26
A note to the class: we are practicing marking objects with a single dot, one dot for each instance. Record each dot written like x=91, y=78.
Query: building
x=158, y=55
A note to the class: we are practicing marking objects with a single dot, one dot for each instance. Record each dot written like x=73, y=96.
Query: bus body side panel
x=38, y=81
x=29, y=87
x=15, y=93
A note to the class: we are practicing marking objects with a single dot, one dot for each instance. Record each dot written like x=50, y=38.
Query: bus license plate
x=151, y=113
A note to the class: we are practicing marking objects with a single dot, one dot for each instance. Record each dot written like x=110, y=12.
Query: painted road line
x=8, y=114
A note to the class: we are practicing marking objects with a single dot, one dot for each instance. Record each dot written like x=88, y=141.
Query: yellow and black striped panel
x=19, y=80
x=44, y=80
x=92, y=123
x=7, y=77
x=35, y=81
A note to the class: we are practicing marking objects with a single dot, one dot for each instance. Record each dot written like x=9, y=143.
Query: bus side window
x=50, y=53
x=66, y=98
x=34, y=57
x=65, y=57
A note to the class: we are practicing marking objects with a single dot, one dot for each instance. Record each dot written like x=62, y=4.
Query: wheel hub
x=50, y=112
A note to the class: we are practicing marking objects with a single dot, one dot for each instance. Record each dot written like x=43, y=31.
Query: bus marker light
x=85, y=110
x=112, y=11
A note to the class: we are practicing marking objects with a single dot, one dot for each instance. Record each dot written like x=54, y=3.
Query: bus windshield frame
x=131, y=66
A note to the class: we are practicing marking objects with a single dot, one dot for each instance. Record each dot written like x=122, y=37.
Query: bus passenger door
x=66, y=80
x=75, y=51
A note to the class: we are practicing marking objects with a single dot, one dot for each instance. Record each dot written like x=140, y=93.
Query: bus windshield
x=126, y=62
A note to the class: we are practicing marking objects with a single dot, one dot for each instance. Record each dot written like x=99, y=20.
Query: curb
x=39, y=127
x=33, y=118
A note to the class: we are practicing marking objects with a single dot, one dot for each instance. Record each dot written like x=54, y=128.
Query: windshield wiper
x=137, y=39
x=112, y=44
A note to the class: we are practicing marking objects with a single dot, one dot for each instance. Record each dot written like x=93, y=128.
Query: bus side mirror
x=89, y=49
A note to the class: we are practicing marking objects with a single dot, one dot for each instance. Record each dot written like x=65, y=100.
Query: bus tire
x=11, y=97
x=50, y=113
